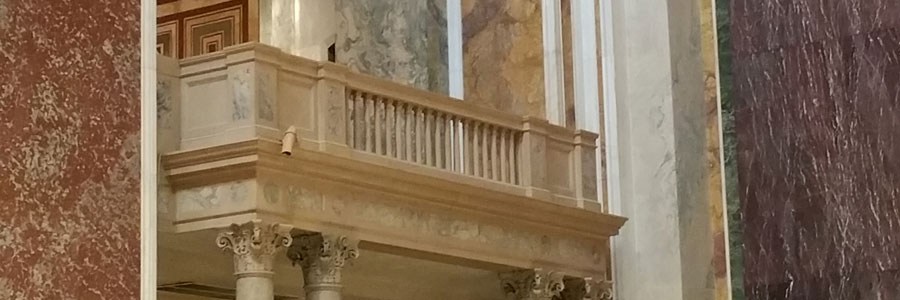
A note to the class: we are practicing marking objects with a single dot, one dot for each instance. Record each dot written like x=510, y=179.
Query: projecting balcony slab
x=390, y=208
x=406, y=171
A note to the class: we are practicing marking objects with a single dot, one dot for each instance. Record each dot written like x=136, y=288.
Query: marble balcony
x=395, y=175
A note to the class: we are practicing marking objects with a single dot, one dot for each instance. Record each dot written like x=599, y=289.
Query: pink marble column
x=69, y=161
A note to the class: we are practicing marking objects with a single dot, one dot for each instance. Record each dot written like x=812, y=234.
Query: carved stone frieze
x=322, y=258
x=534, y=284
x=254, y=245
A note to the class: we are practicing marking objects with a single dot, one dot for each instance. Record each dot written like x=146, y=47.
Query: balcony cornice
x=415, y=186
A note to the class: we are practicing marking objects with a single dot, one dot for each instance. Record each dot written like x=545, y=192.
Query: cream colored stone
x=323, y=258
x=230, y=169
x=661, y=118
x=532, y=284
x=254, y=245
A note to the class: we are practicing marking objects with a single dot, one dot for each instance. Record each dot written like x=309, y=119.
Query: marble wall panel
x=817, y=85
x=69, y=136
x=713, y=152
x=503, y=65
x=399, y=40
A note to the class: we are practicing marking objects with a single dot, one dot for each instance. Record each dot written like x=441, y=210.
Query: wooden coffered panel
x=188, y=28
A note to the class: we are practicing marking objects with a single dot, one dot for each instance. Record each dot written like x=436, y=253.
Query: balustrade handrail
x=432, y=100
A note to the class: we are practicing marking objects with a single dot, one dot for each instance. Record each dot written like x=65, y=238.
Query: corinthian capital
x=601, y=290
x=534, y=284
x=587, y=289
x=322, y=258
x=254, y=245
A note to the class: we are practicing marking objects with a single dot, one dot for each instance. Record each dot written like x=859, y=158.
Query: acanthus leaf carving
x=534, y=284
x=586, y=289
x=254, y=245
x=322, y=257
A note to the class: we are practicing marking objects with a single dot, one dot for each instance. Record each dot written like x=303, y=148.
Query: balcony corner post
x=533, y=152
x=586, y=189
x=331, y=108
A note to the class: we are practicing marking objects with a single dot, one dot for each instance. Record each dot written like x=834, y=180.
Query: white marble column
x=254, y=245
x=584, y=62
x=534, y=284
x=303, y=28
x=455, y=49
x=554, y=87
x=322, y=258
x=658, y=180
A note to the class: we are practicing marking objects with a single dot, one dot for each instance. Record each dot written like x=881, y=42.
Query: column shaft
x=254, y=287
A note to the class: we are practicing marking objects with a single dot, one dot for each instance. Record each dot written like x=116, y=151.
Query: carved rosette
x=586, y=289
x=254, y=245
x=532, y=284
x=322, y=258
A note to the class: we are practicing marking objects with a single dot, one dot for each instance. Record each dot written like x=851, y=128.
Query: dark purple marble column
x=818, y=123
x=69, y=159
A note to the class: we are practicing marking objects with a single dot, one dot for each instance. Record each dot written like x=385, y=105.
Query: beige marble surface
x=503, y=56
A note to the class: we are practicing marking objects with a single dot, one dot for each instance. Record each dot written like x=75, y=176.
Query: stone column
x=586, y=289
x=254, y=245
x=322, y=258
x=534, y=284
x=659, y=172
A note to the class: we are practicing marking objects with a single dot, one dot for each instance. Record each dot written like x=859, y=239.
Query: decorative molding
x=254, y=245
x=167, y=39
x=322, y=258
x=534, y=284
x=206, y=166
x=203, y=30
x=205, y=291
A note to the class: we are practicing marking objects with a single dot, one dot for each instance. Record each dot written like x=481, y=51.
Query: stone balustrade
x=373, y=165
x=256, y=91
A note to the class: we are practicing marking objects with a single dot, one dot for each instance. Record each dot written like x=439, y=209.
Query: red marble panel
x=69, y=159
x=817, y=87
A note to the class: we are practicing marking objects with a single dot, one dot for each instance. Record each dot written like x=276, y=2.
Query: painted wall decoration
x=399, y=40
x=503, y=65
